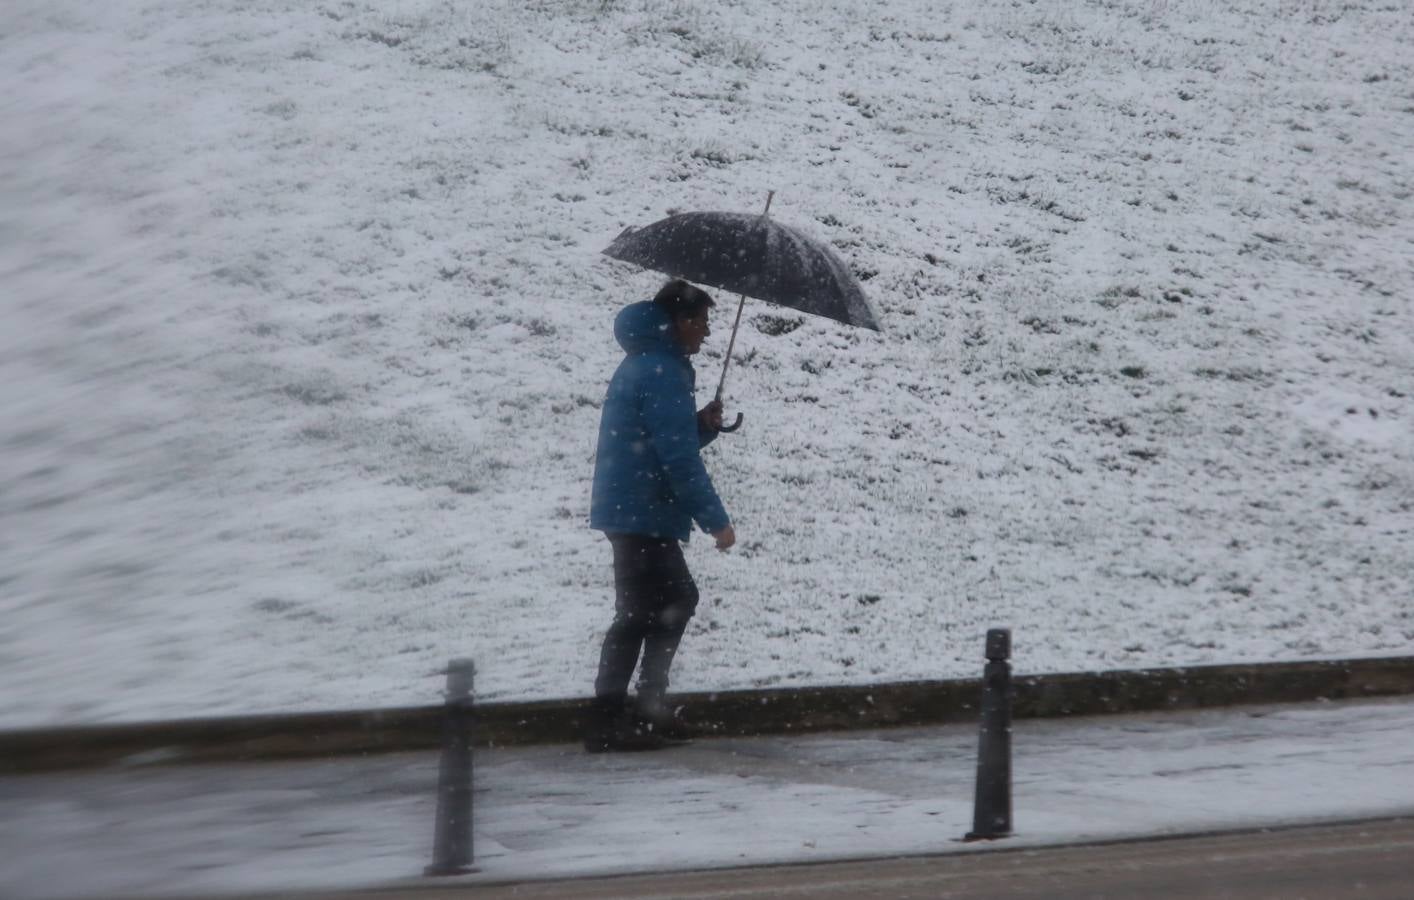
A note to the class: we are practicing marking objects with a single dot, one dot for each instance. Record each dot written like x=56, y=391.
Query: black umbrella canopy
x=752, y=255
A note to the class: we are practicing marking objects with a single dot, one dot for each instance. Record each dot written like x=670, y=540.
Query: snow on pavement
x=554, y=811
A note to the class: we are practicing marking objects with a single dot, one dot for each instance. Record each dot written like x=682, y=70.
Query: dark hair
x=682, y=300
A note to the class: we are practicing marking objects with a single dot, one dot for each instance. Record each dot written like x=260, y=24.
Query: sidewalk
x=553, y=811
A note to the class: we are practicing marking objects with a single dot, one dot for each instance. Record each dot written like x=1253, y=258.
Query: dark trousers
x=654, y=599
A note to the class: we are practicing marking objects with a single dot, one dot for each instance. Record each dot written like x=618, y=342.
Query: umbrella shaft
x=741, y=304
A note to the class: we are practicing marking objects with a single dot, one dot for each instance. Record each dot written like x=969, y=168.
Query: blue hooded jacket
x=648, y=475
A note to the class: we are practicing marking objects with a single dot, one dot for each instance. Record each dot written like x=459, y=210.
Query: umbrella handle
x=733, y=426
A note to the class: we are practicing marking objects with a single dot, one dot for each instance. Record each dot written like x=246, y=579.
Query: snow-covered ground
x=306, y=328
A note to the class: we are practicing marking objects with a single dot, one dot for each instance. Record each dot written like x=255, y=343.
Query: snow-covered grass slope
x=306, y=331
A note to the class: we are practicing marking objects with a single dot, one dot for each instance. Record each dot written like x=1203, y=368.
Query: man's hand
x=709, y=417
x=725, y=538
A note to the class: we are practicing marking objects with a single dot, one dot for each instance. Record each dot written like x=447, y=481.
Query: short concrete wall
x=777, y=711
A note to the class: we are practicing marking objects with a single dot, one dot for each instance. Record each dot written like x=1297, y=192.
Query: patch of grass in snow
x=315, y=389
x=485, y=37
x=698, y=30
x=404, y=451
x=1114, y=297
x=437, y=34
x=1253, y=374
x=776, y=325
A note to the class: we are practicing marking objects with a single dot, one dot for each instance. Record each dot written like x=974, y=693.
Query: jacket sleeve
x=671, y=423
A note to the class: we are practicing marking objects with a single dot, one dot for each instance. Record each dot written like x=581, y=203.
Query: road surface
x=1368, y=860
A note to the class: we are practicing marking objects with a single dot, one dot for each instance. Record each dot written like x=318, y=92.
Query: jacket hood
x=645, y=326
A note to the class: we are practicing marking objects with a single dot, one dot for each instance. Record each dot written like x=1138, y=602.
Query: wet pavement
x=555, y=812
x=1368, y=860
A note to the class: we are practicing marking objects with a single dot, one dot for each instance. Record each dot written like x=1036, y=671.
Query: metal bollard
x=991, y=814
x=452, y=848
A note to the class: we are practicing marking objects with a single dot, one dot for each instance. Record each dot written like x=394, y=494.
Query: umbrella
x=753, y=256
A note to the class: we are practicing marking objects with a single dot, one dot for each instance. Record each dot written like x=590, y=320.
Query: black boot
x=610, y=729
x=658, y=715
x=603, y=714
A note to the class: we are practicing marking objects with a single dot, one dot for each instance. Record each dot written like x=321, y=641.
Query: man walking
x=650, y=486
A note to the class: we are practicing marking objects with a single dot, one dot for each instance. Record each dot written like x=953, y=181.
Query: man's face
x=692, y=331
